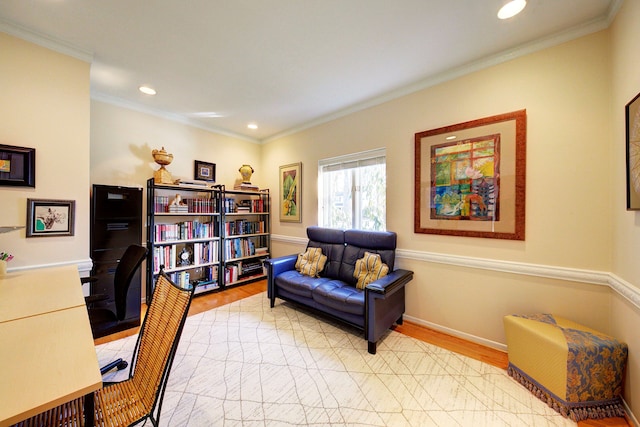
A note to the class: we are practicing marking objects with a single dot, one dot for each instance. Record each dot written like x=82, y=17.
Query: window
x=352, y=191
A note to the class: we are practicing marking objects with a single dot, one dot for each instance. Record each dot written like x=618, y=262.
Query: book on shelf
x=246, y=186
x=250, y=268
x=239, y=248
x=162, y=204
x=178, y=208
x=193, y=182
x=243, y=226
x=243, y=270
x=257, y=205
x=164, y=255
x=183, y=231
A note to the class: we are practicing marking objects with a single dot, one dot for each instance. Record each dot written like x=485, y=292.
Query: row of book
x=229, y=205
x=239, y=248
x=183, y=231
x=207, y=281
x=242, y=226
x=242, y=269
x=162, y=204
x=200, y=253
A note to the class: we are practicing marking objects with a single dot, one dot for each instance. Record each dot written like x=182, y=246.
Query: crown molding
x=119, y=102
x=469, y=68
x=45, y=40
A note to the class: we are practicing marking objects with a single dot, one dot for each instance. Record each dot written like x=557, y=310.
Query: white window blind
x=352, y=191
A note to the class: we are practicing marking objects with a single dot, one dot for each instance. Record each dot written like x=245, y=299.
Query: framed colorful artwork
x=290, y=183
x=470, y=178
x=17, y=166
x=632, y=117
x=50, y=217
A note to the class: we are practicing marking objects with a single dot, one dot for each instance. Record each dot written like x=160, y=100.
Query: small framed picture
x=204, y=171
x=50, y=217
x=17, y=166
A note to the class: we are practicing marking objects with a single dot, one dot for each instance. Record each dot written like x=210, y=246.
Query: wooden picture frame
x=47, y=218
x=290, y=183
x=204, y=171
x=17, y=166
x=632, y=121
x=470, y=178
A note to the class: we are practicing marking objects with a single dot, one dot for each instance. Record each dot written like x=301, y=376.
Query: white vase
x=3, y=268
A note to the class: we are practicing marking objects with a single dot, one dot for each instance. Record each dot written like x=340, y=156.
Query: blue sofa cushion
x=380, y=242
x=331, y=241
x=299, y=284
x=340, y=296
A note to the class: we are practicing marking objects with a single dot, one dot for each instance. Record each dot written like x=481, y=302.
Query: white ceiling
x=286, y=64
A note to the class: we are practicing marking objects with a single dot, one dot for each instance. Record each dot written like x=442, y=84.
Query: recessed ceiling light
x=147, y=90
x=511, y=9
x=252, y=126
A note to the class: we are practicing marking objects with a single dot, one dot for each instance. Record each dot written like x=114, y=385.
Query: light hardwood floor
x=476, y=351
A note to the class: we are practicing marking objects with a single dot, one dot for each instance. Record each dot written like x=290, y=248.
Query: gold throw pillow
x=311, y=262
x=368, y=269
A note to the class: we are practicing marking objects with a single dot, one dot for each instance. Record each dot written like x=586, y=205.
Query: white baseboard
x=454, y=332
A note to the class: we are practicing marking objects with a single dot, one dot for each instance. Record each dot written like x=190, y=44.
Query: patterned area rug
x=245, y=364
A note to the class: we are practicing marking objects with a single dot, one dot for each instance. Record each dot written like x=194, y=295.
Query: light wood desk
x=47, y=354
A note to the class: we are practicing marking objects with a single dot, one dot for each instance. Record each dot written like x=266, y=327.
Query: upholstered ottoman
x=577, y=371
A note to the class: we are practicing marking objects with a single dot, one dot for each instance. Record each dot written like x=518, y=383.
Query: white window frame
x=349, y=161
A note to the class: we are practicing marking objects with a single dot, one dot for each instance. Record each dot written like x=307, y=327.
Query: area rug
x=246, y=364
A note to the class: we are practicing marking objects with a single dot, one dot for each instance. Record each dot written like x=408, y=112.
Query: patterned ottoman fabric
x=576, y=370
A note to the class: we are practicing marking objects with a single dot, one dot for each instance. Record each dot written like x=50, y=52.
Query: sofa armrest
x=384, y=304
x=390, y=282
x=275, y=266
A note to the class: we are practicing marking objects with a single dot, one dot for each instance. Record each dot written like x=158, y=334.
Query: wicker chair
x=140, y=396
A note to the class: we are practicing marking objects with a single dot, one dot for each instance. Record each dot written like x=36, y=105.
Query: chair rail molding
x=602, y=278
x=84, y=266
x=578, y=275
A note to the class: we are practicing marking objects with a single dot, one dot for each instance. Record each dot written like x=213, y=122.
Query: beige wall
x=45, y=105
x=565, y=91
x=625, y=39
x=122, y=141
x=466, y=285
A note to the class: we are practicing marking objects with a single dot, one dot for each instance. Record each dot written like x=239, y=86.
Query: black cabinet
x=116, y=223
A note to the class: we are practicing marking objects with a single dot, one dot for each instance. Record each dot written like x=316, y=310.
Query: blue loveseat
x=374, y=309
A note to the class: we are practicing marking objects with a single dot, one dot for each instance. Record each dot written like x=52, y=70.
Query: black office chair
x=104, y=319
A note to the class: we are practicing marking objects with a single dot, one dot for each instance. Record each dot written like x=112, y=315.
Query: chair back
x=158, y=340
x=126, y=269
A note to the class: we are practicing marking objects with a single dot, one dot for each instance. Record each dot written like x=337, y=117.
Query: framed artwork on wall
x=204, y=171
x=470, y=178
x=17, y=166
x=290, y=184
x=632, y=119
x=50, y=217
